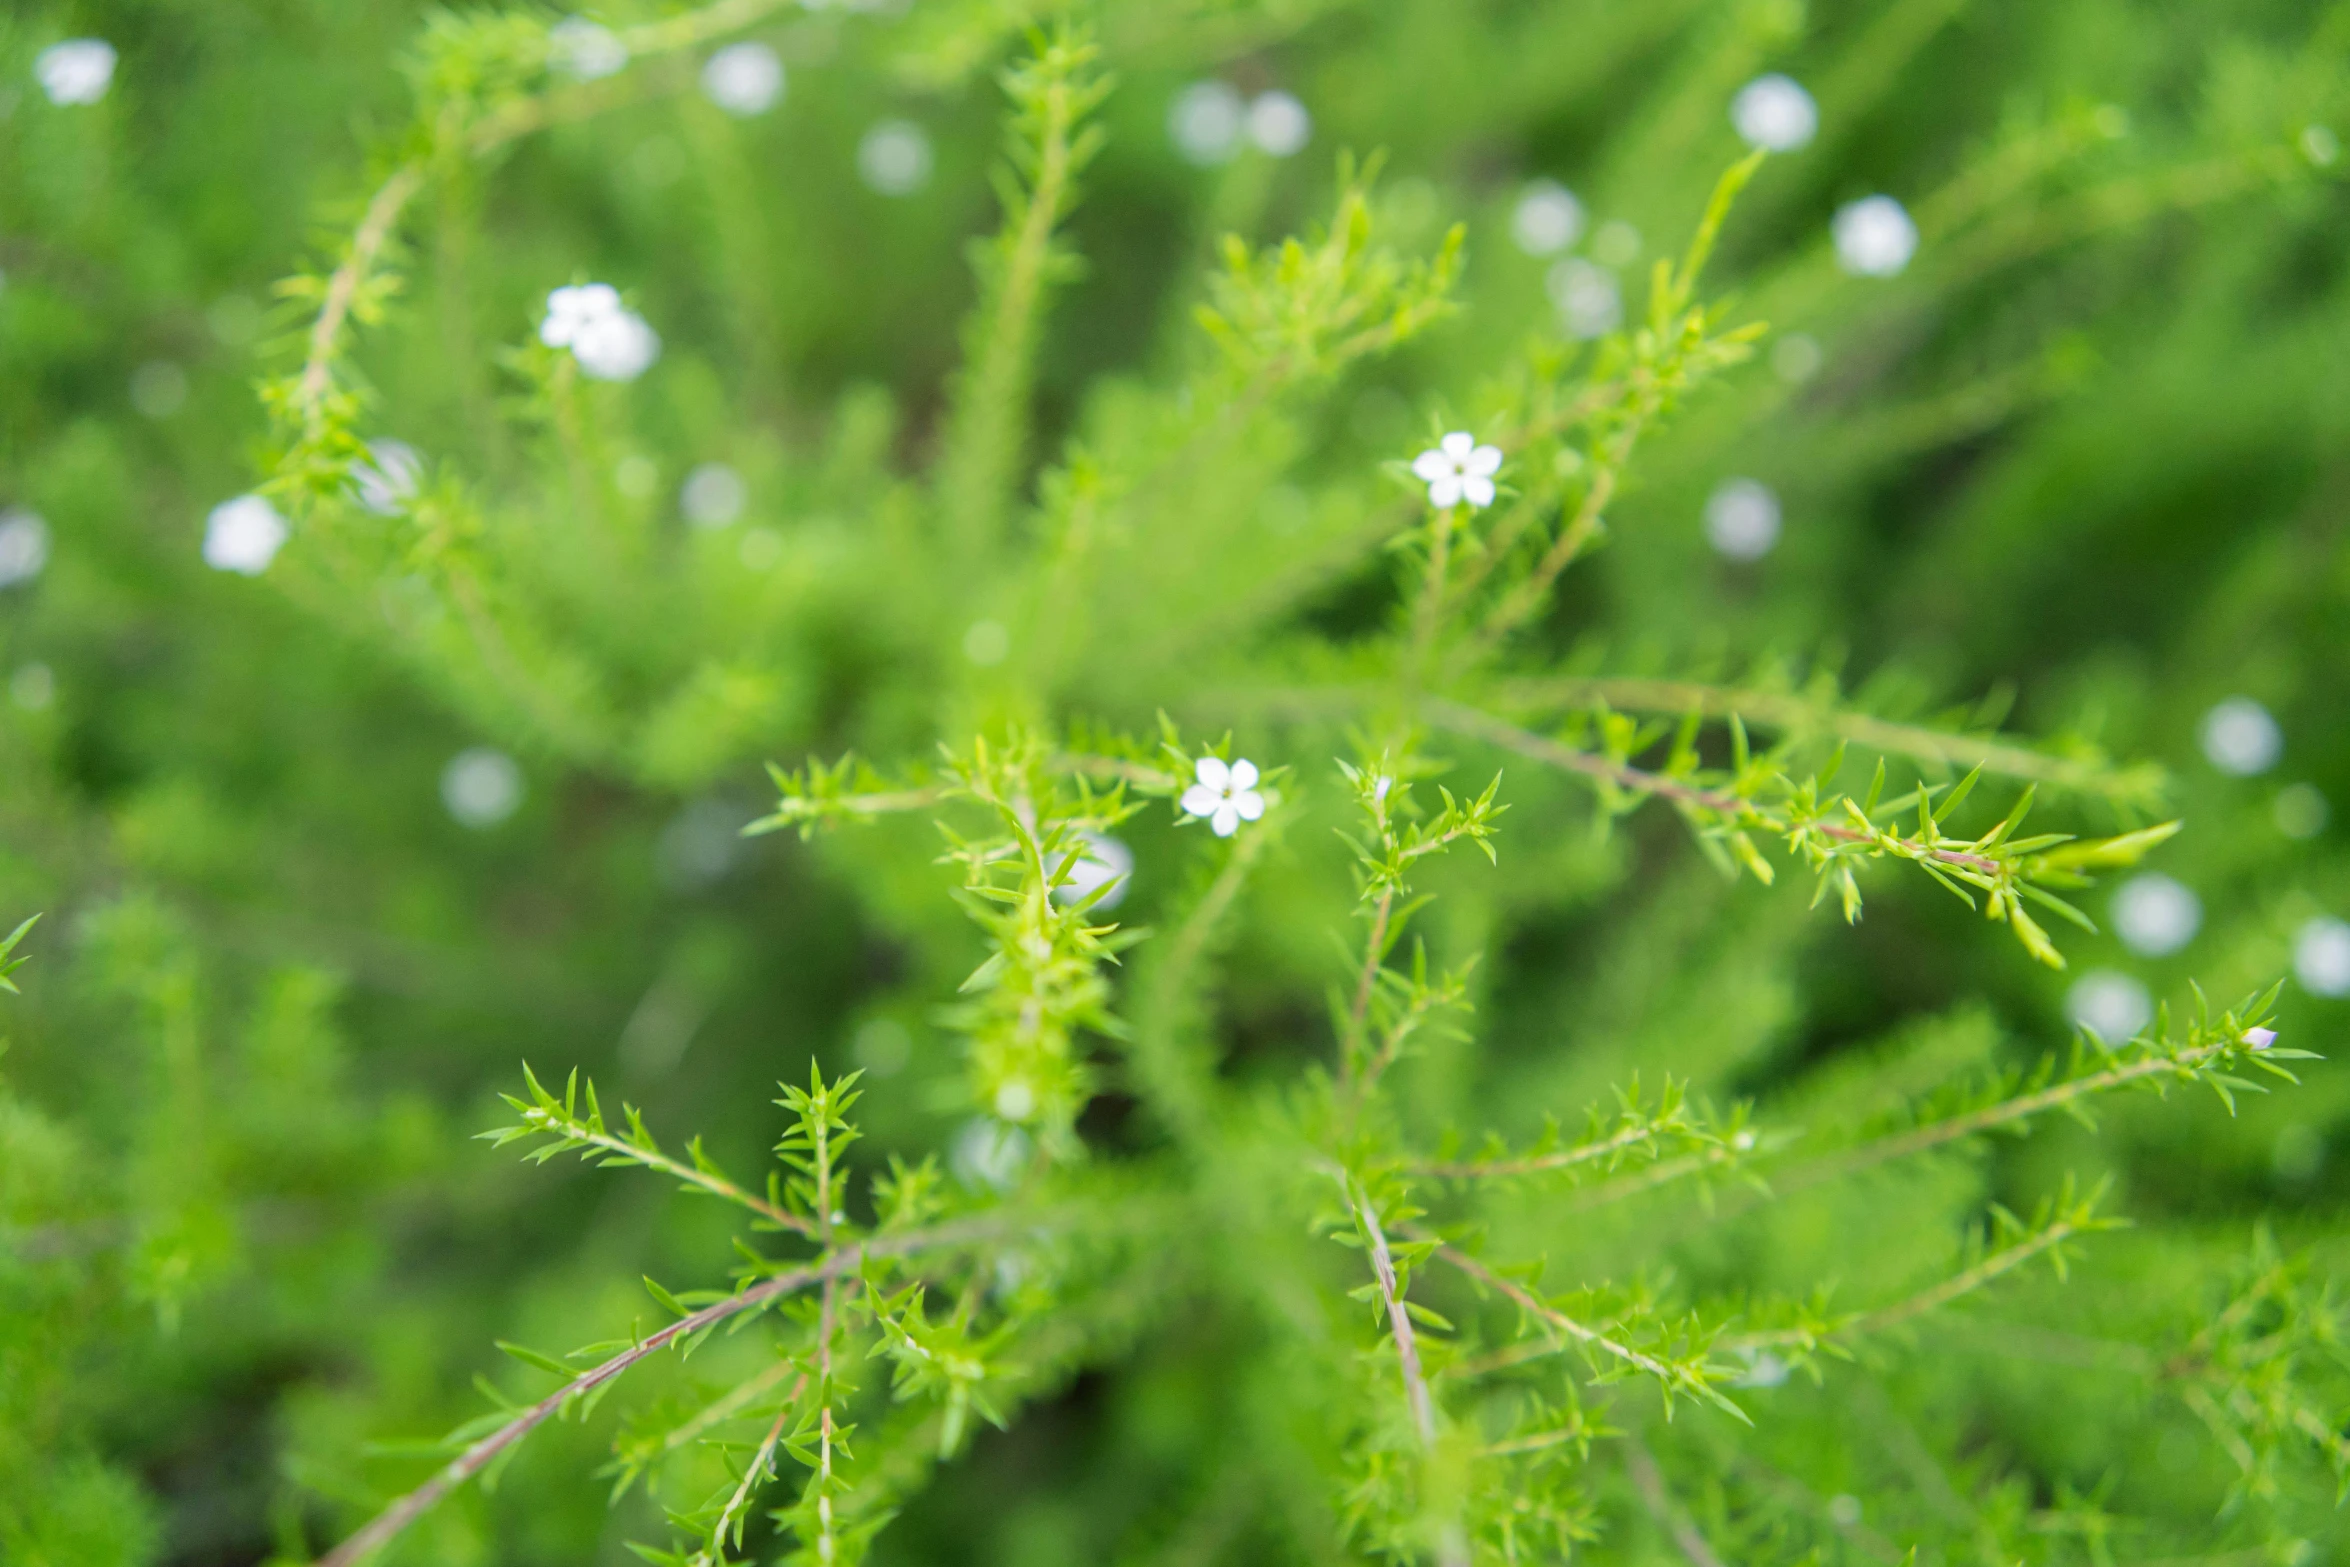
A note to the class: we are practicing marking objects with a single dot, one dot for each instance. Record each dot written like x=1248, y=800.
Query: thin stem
x=717, y=1186
x=342, y=290
x=1359, y=1012
x=1526, y=1300
x=1940, y=1295
x=1399, y=1321
x=1649, y=1481
x=724, y=1407
x=1564, y=1159
x=1790, y=711
x=380, y=1530
x=1468, y=720
x=762, y=1464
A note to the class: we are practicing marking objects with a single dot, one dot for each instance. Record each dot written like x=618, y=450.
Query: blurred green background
x=308, y=902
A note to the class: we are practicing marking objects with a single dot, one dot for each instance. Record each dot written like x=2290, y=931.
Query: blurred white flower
x=2154, y=915
x=1457, y=469
x=1874, y=236
x=571, y=310
x=1279, y=124
x=2241, y=738
x=243, y=535
x=481, y=787
x=1742, y=519
x=1763, y=1369
x=713, y=496
x=24, y=546
x=1225, y=795
x=1547, y=218
x=1796, y=359
x=1105, y=863
x=389, y=479
x=1589, y=303
x=78, y=70
x=989, y=1153
x=585, y=51
x=1206, y=121
x=2260, y=1038
x=2321, y=956
x=894, y=158
x=744, y=79
x=2113, y=1006
x=1774, y=112
x=617, y=347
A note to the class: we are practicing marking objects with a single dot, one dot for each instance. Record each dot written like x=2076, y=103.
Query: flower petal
x=1251, y=805
x=1226, y=821
x=1483, y=463
x=1200, y=800
x=1431, y=465
x=1244, y=774
x=1458, y=445
x=1445, y=491
x=1479, y=491
x=1211, y=771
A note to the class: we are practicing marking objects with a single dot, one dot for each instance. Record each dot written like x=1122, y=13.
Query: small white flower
x=1225, y=795
x=24, y=546
x=713, y=496
x=987, y=1153
x=744, y=79
x=1874, y=237
x=243, y=535
x=2241, y=738
x=617, y=347
x=2112, y=1006
x=1279, y=125
x=894, y=158
x=1589, y=302
x=389, y=479
x=1742, y=519
x=571, y=310
x=1206, y=122
x=2321, y=957
x=1457, y=468
x=75, y=71
x=1105, y=863
x=2155, y=916
x=1547, y=218
x=481, y=787
x=585, y=51
x=1775, y=113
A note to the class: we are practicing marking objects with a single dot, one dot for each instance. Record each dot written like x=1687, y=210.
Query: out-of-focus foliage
x=969, y=426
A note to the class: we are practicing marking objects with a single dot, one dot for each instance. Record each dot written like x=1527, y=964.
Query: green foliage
x=1182, y=1170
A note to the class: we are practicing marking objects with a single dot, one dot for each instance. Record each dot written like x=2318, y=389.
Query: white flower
x=2241, y=738
x=571, y=310
x=2321, y=957
x=1874, y=237
x=243, y=535
x=1773, y=112
x=481, y=787
x=1457, y=468
x=1105, y=863
x=1589, y=302
x=713, y=496
x=585, y=51
x=1226, y=796
x=75, y=71
x=24, y=546
x=1205, y=122
x=388, y=480
x=894, y=158
x=1279, y=124
x=744, y=79
x=1547, y=218
x=2154, y=915
x=617, y=347
x=1742, y=519
x=2113, y=1006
